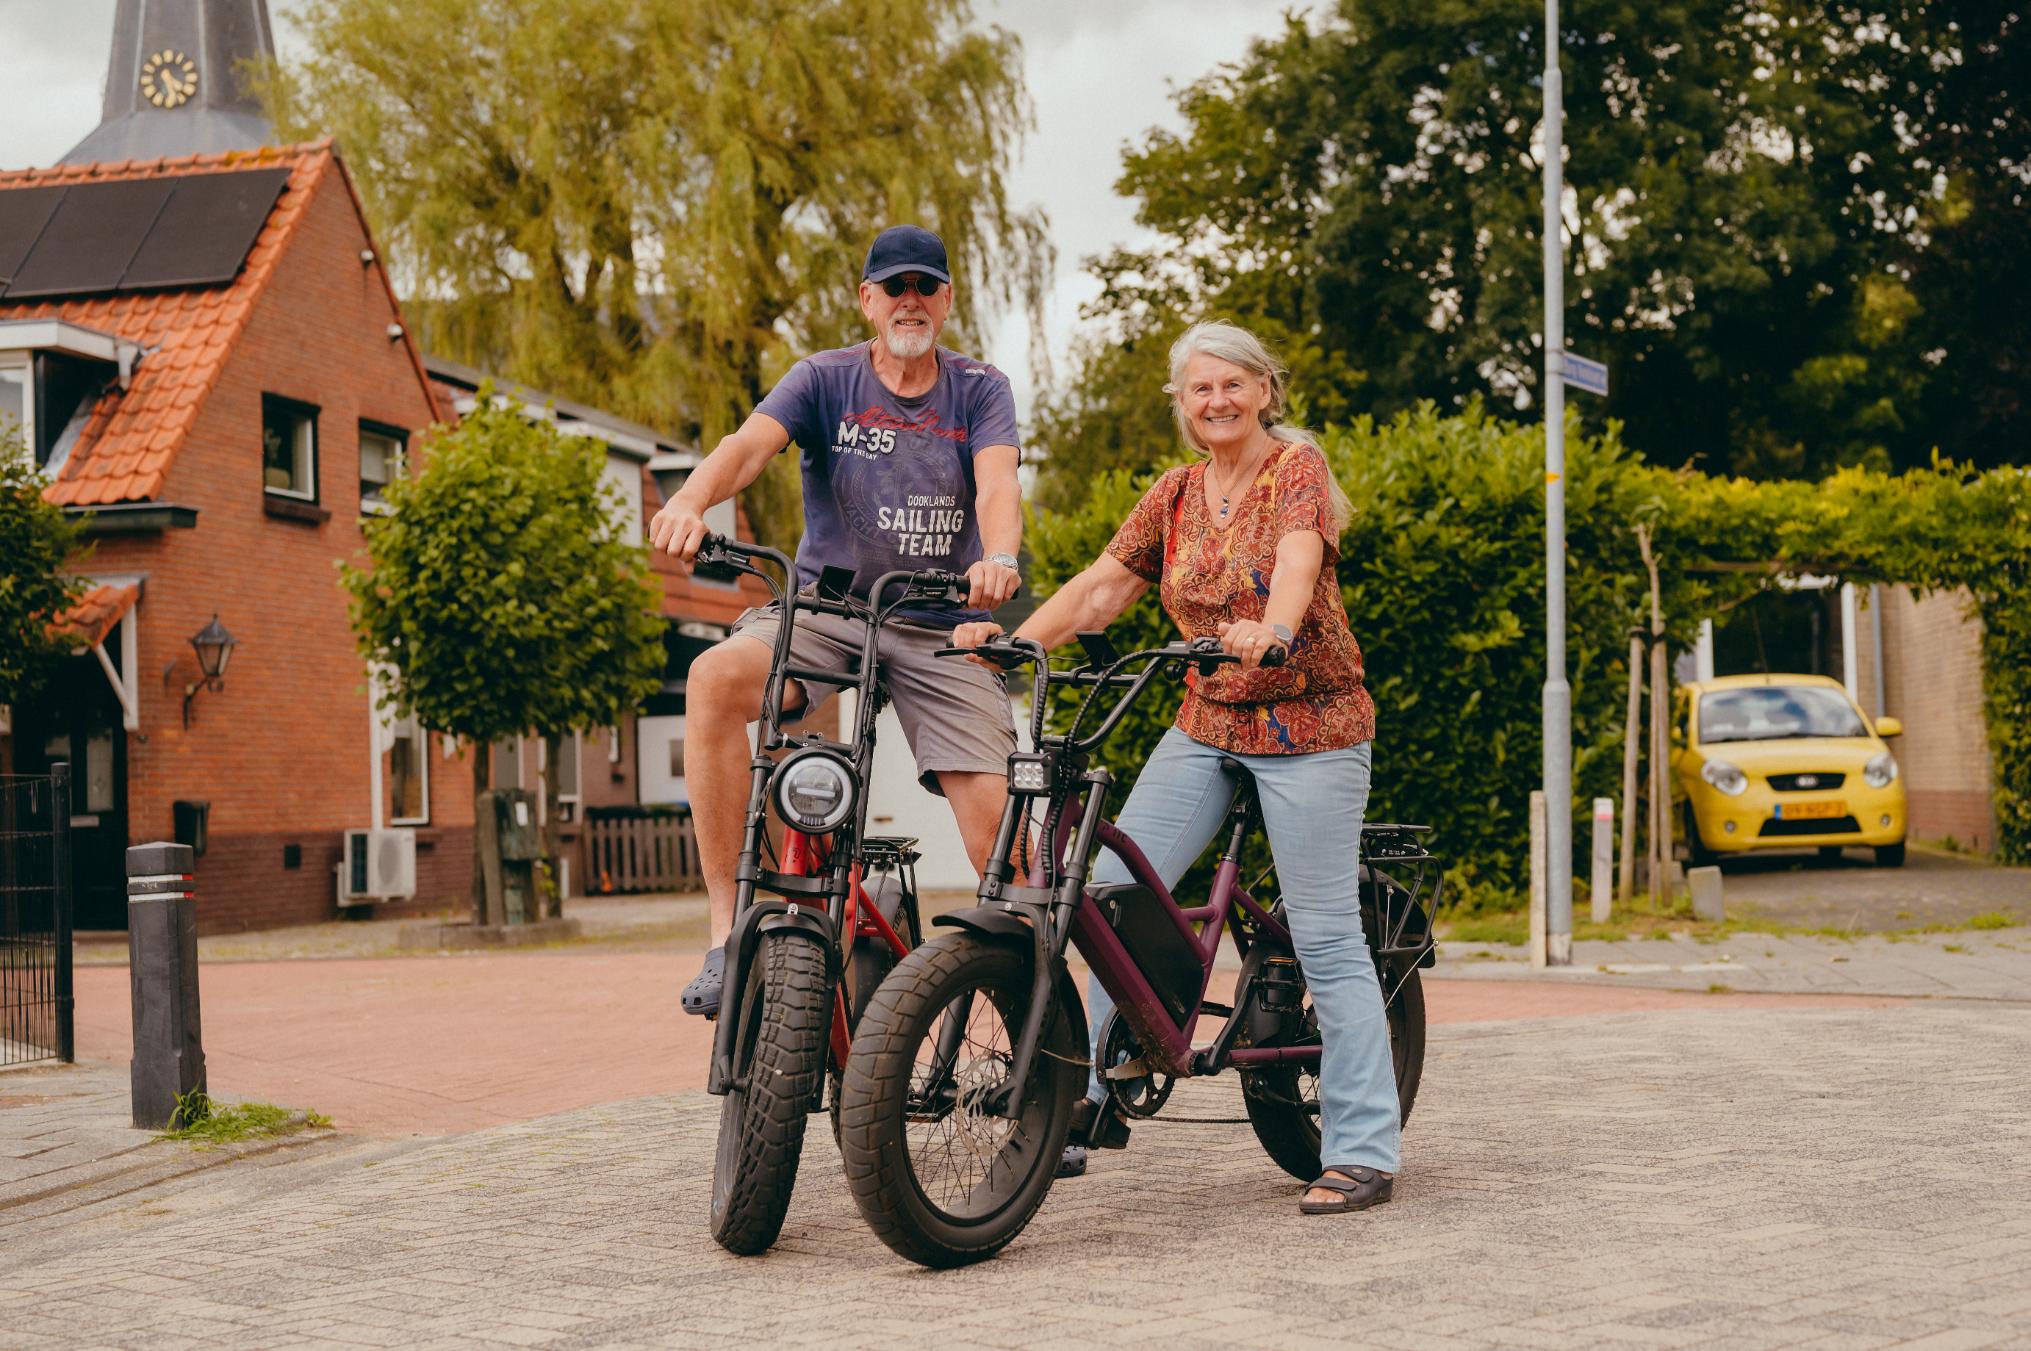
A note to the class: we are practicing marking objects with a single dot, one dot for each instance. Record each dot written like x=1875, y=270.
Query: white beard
x=910, y=344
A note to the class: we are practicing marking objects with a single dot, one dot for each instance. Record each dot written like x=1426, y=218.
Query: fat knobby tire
x=874, y=1111
x=761, y=1126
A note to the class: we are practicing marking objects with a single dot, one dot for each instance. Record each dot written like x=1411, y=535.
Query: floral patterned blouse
x=1209, y=575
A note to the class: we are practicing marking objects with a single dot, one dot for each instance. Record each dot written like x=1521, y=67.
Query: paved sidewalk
x=1976, y=964
x=1745, y=1178
x=1853, y=894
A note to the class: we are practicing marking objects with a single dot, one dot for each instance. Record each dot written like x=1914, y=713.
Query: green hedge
x=1442, y=570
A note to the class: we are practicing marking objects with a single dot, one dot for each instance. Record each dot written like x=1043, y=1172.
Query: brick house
x=215, y=371
x=200, y=342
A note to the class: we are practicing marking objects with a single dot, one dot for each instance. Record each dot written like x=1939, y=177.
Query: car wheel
x=1890, y=855
x=1829, y=853
x=1702, y=857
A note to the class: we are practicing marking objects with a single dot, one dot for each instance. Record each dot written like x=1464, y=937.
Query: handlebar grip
x=1007, y=658
x=1276, y=656
x=711, y=549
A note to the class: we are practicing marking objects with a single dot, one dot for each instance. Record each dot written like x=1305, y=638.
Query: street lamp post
x=1558, y=694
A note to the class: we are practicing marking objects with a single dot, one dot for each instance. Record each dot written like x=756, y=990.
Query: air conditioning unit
x=379, y=865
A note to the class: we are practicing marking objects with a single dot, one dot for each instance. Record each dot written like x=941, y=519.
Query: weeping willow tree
x=656, y=206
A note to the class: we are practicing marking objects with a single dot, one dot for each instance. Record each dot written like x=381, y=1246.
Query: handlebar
x=1008, y=652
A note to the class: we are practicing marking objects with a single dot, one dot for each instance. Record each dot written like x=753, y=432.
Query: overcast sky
x=1100, y=71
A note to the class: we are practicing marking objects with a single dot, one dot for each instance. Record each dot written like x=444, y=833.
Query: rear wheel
x=779, y=1052
x=941, y=1177
x=1283, y=1100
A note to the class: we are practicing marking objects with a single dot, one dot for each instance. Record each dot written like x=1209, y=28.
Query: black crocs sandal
x=701, y=996
x=1362, y=1188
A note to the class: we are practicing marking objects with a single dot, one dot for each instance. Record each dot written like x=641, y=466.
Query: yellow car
x=1786, y=762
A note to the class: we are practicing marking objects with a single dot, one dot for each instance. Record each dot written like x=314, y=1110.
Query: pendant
x=1223, y=508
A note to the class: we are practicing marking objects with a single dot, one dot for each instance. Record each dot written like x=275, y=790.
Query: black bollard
x=169, y=1057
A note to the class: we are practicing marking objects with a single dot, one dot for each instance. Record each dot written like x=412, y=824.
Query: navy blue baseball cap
x=906, y=248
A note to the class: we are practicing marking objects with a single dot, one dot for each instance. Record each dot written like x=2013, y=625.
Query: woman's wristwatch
x=1283, y=634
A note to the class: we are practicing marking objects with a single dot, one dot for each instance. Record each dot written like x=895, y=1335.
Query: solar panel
x=23, y=213
x=133, y=234
x=91, y=238
x=204, y=233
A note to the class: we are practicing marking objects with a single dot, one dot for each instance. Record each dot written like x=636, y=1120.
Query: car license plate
x=1809, y=811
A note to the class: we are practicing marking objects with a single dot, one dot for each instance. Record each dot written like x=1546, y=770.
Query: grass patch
x=1992, y=919
x=201, y=1122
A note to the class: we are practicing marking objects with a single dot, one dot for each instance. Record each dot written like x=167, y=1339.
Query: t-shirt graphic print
x=888, y=481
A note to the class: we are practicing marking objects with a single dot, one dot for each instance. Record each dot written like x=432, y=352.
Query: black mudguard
x=1013, y=926
x=759, y=919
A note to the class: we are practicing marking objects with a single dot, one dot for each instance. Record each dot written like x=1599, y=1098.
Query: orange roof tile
x=93, y=617
x=126, y=447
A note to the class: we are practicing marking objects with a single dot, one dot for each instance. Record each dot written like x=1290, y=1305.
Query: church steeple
x=174, y=84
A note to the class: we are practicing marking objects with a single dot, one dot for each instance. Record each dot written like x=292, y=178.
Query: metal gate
x=35, y=918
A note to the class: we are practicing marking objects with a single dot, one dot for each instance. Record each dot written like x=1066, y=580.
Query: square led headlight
x=1029, y=773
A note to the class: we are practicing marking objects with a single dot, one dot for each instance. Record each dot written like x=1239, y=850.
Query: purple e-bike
x=968, y=1070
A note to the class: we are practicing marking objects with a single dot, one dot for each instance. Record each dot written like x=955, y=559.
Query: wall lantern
x=214, y=649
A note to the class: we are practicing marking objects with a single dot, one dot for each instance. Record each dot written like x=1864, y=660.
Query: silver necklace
x=1224, y=495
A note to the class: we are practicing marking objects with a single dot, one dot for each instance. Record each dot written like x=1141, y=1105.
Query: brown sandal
x=1362, y=1188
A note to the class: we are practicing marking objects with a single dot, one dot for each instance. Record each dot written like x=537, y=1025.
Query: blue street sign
x=1580, y=373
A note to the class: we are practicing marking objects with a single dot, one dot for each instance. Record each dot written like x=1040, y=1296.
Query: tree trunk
x=551, y=903
x=482, y=770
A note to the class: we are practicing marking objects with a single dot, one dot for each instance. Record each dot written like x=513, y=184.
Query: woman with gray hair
x=1242, y=544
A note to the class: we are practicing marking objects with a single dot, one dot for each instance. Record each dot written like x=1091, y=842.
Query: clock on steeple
x=176, y=81
x=168, y=78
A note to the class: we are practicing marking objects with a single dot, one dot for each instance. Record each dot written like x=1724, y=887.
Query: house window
x=383, y=453
x=17, y=402
x=570, y=751
x=508, y=763
x=409, y=772
x=288, y=448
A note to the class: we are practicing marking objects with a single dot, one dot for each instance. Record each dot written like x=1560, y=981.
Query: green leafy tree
x=1758, y=237
x=37, y=542
x=497, y=595
x=656, y=208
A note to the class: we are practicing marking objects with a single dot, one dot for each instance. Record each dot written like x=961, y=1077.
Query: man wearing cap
x=909, y=456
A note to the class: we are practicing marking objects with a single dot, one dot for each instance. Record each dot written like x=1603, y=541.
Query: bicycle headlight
x=1881, y=771
x=813, y=791
x=1726, y=777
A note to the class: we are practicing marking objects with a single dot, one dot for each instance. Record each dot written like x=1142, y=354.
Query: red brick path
x=440, y=1045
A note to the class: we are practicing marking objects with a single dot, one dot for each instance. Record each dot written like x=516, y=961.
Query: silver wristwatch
x=1006, y=560
x=1283, y=635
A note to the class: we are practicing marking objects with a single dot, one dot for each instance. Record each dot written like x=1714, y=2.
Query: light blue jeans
x=1312, y=807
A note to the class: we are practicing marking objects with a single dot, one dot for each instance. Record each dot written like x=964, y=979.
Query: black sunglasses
x=922, y=285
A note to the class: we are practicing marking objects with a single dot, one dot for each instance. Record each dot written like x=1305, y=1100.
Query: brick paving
x=1853, y=894
x=431, y=1046
x=1771, y=1177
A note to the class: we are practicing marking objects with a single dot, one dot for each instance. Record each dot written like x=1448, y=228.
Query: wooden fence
x=646, y=853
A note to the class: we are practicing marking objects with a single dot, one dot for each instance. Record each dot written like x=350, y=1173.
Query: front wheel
x=1890, y=855
x=1283, y=1101
x=778, y=1054
x=939, y=1175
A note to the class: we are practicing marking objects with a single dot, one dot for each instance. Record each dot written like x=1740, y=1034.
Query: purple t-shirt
x=888, y=481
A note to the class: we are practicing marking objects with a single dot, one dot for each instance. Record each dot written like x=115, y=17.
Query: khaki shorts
x=955, y=713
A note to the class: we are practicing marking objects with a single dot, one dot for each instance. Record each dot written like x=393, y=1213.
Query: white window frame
x=305, y=451
x=398, y=463
x=397, y=730
x=572, y=744
x=26, y=369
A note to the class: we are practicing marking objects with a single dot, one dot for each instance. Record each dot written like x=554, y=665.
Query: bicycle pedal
x=1096, y=1128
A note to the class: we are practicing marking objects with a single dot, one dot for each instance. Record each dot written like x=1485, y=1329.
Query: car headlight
x=813, y=791
x=1725, y=777
x=1881, y=771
